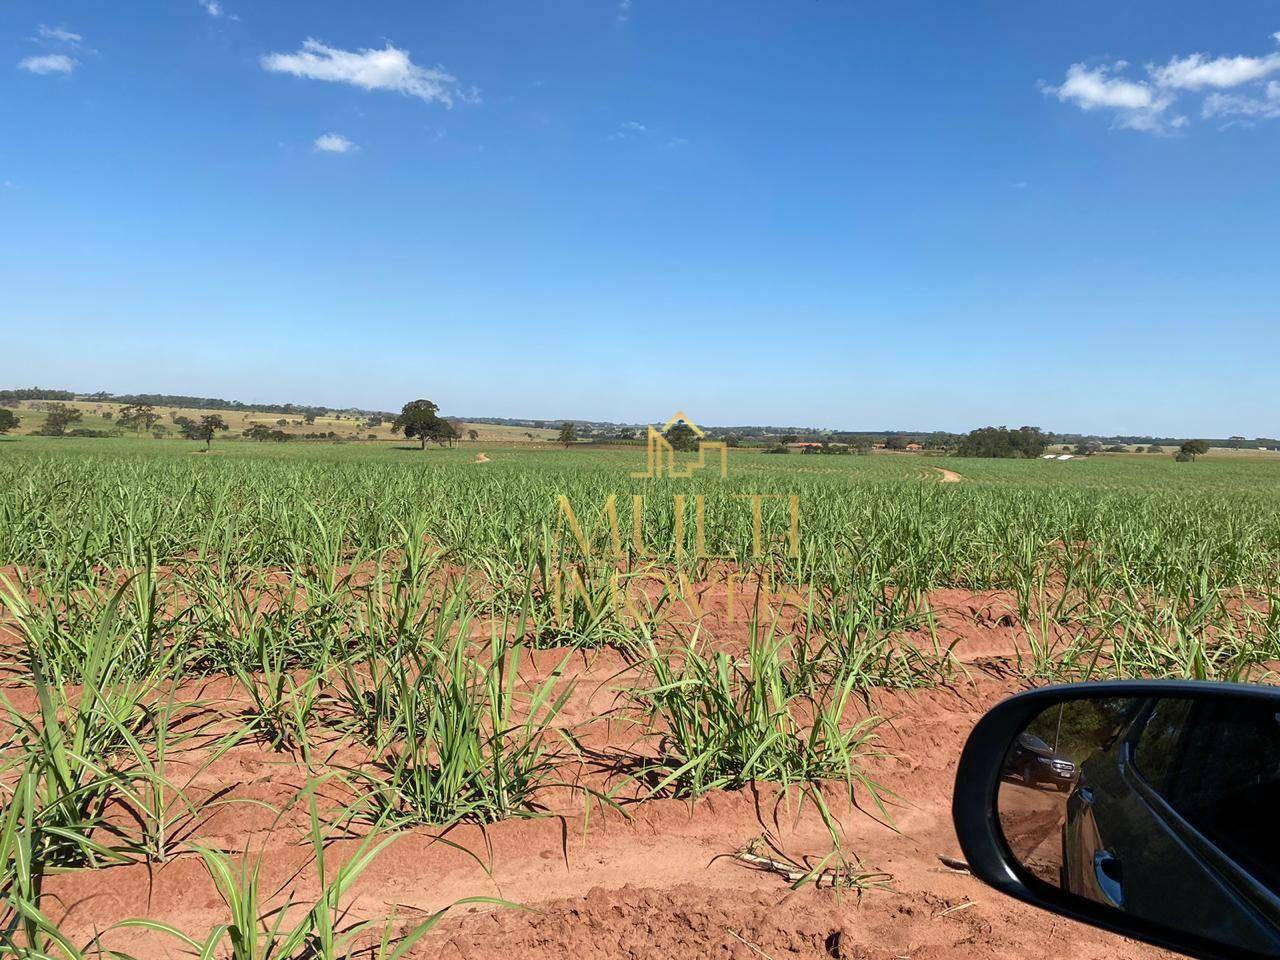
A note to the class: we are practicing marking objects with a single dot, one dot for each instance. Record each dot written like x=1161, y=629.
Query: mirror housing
x=984, y=767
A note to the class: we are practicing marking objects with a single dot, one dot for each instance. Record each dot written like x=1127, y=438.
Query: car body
x=1146, y=831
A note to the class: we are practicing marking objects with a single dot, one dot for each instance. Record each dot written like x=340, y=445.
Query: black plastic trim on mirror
x=974, y=811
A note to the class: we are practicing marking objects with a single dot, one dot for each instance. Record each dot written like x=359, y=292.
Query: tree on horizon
x=138, y=416
x=682, y=437
x=419, y=419
x=59, y=417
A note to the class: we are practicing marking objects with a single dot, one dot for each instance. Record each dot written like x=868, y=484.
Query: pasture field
x=102, y=415
x=314, y=700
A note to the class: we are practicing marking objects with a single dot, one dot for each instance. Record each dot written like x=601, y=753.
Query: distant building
x=913, y=447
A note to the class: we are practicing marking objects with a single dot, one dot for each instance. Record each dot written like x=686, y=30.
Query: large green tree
x=567, y=434
x=8, y=420
x=1192, y=449
x=681, y=436
x=420, y=419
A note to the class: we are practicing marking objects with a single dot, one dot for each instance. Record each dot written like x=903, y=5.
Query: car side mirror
x=1148, y=808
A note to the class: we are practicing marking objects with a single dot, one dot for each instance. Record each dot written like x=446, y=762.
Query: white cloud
x=59, y=34
x=335, y=143
x=637, y=131
x=1264, y=107
x=1145, y=104
x=1138, y=105
x=49, y=63
x=216, y=10
x=386, y=69
x=1197, y=71
x=624, y=11
x=628, y=129
x=1097, y=88
x=1150, y=121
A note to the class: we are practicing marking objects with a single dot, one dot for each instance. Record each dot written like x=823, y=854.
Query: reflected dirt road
x=1032, y=819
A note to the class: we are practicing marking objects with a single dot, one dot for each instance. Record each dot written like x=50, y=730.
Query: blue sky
x=914, y=215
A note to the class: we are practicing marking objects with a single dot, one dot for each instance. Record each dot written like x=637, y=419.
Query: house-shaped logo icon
x=660, y=456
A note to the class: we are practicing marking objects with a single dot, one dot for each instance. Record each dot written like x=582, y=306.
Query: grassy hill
x=103, y=415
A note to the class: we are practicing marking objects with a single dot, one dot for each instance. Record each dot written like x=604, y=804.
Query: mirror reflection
x=1163, y=808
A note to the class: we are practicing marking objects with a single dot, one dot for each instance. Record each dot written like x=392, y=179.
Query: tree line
x=420, y=419
x=1028, y=443
x=181, y=401
x=1025, y=443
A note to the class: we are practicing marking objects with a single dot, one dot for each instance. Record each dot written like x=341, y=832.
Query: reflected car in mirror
x=1143, y=807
